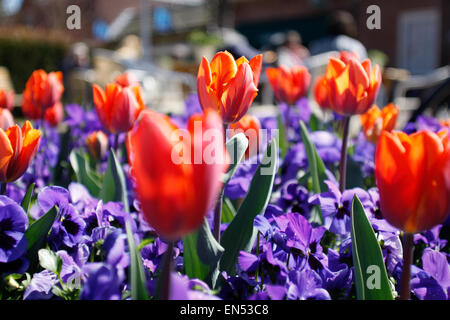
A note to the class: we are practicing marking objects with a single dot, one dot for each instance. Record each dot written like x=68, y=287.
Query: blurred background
x=161, y=43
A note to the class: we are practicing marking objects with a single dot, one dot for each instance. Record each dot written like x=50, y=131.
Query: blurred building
x=415, y=34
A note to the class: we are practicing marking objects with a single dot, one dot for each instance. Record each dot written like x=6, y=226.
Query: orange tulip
x=118, y=107
x=7, y=99
x=289, y=84
x=228, y=86
x=52, y=115
x=6, y=119
x=445, y=123
x=44, y=90
x=17, y=149
x=374, y=121
x=352, y=86
x=97, y=144
x=175, y=195
x=413, y=177
x=321, y=93
x=250, y=126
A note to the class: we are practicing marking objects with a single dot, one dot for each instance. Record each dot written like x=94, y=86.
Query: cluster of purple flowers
x=293, y=258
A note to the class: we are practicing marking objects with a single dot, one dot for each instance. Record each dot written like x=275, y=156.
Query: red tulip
x=352, y=86
x=118, y=107
x=228, y=86
x=6, y=119
x=413, y=178
x=289, y=84
x=175, y=183
x=17, y=148
x=52, y=115
x=374, y=121
x=7, y=99
x=250, y=126
x=44, y=90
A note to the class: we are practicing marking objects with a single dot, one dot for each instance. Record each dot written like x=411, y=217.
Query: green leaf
x=316, y=169
x=202, y=254
x=85, y=176
x=240, y=234
x=282, y=137
x=50, y=260
x=354, y=176
x=37, y=233
x=228, y=211
x=314, y=123
x=370, y=272
x=236, y=147
x=114, y=187
x=137, y=274
x=27, y=198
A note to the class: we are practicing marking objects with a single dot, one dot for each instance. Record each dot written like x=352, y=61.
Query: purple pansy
x=68, y=228
x=13, y=223
x=103, y=282
x=336, y=206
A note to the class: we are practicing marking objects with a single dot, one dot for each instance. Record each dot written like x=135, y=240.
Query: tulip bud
x=17, y=148
x=228, y=86
x=289, y=84
x=175, y=195
x=118, y=107
x=250, y=126
x=97, y=145
x=413, y=177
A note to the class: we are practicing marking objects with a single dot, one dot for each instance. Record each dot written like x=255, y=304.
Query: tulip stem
x=343, y=162
x=408, y=249
x=166, y=271
x=3, y=188
x=218, y=208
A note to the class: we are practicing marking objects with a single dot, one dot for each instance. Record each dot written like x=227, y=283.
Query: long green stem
x=218, y=208
x=343, y=162
x=408, y=249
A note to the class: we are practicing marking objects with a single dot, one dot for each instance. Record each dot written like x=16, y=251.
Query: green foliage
x=24, y=50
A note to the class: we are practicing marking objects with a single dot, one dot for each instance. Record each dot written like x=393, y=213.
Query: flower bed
x=86, y=221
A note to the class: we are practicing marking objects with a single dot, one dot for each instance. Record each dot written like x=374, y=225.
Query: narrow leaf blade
x=236, y=148
x=137, y=273
x=202, y=254
x=370, y=272
x=83, y=173
x=37, y=233
x=114, y=186
x=25, y=204
x=240, y=234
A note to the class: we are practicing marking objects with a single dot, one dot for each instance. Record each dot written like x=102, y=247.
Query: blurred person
x=292, y=53
x=130, y=48
x=342, y=33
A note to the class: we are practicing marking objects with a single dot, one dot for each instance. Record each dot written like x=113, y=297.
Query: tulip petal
x=6, y=153
x=206, y=94
x=238, y=95
x=256, y=65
